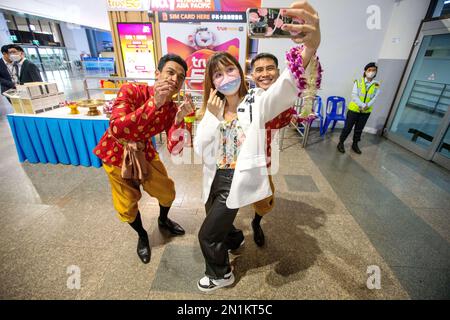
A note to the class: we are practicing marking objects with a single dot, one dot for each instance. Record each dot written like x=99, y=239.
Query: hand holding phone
x=215, y=104
x=268, y=22
x=300, y=22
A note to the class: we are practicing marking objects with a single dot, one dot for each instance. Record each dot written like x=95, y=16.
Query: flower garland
x=107, y=107
x=295, y=65
x=308, y=87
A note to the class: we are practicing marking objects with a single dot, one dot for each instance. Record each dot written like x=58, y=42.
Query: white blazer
x=250, y=181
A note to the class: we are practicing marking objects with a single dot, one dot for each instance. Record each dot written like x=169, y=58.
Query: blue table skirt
x=55, y=140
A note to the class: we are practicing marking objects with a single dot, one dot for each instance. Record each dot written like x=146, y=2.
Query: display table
x=57, y=137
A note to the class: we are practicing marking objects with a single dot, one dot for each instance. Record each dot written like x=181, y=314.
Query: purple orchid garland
x=312, y=84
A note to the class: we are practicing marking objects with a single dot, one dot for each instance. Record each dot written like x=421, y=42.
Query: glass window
x=22, y=24
x=45, y=25
x=34, y=25
x=10, y=22
x=442, y=8
x=426, y=98
x=444, y=147
x=55, y=31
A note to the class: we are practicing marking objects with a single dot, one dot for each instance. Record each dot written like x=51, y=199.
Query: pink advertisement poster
x=136, y=44
x=197, y=42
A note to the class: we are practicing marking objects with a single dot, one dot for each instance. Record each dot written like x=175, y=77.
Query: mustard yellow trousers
x=126, y=193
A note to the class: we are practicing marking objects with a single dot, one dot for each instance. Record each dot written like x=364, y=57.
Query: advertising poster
x=197, y=41
x=138, y=53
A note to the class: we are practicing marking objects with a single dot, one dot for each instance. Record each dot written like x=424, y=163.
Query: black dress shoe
x=143, y=250
x=356, y=148
x=258, y=234
x=340, y=147
x=172, y=226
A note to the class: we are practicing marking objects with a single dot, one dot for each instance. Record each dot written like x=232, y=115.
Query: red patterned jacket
x=282, y=120
x=135, y=118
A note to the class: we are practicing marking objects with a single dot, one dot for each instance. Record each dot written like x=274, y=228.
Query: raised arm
x=283, y=93
x=126, y=115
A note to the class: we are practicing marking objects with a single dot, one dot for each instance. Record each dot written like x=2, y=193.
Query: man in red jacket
x=264, y=73
x=129, y=158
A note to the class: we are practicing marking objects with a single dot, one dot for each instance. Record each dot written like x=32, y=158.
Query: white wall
x=91, y=13
x=403, y=25
x=75, y=39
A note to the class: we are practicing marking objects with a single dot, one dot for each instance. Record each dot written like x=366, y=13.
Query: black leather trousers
x=217, y=234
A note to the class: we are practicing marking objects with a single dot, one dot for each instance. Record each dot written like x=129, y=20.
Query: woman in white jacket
x=233, y=154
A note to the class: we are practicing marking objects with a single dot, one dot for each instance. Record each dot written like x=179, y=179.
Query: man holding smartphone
x=264, y=73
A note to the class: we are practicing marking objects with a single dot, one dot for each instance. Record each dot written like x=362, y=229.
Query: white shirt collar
x=21, y=62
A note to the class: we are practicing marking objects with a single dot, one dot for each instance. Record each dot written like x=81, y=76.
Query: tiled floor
x=335, y=215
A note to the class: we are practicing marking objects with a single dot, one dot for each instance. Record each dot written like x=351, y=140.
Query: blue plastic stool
x=318, y=111
x=334, y=113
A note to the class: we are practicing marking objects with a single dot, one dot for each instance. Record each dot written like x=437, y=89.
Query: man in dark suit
x=23, y=70
x=5, y=70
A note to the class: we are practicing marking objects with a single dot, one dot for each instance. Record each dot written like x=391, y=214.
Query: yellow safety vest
x=365, y=95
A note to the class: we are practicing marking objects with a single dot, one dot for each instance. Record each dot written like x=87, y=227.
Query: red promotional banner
x=241, y=5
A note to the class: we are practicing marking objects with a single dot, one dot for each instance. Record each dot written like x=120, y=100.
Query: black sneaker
x=207, y=284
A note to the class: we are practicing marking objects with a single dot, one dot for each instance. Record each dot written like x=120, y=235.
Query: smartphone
x=267, y=22
x=220, y=95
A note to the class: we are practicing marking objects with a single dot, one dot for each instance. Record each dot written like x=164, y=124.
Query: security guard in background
x=365, y=92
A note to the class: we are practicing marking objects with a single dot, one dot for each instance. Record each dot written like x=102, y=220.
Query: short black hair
x=371, y=65
x=5, y=48
x=172, y=57
x=264, y=55
x=17, y=47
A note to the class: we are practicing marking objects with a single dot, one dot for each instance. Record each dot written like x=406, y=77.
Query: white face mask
x=15, y=57
x=371, y=75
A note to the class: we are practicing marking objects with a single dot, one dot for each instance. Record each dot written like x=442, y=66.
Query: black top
x=5, y=78
x=29, y=73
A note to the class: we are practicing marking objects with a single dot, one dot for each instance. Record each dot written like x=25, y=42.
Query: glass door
x=421, y=117
x=442, y=155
